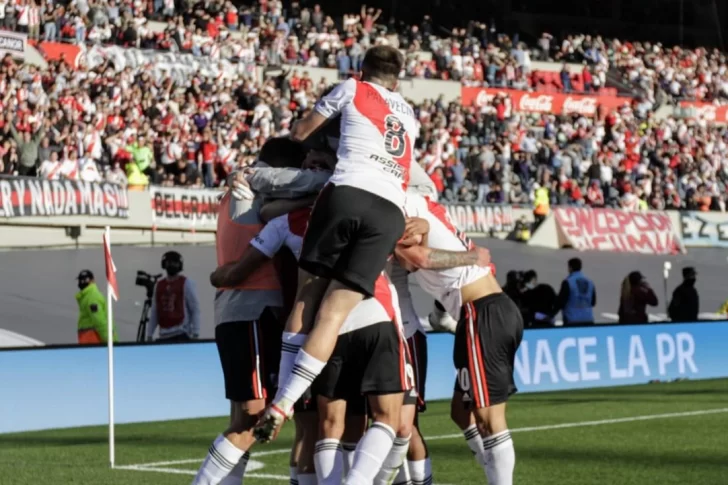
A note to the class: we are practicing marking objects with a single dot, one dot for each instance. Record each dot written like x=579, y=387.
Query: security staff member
x=541, y=206
x=175, y=307
x=92, y=325
x=577, y=296
x=685, y=303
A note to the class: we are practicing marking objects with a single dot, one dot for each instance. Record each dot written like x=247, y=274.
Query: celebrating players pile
x=351, y=360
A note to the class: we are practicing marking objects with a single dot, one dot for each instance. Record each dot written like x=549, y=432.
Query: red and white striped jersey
x=288, y=230
x=378, y=132
x=445, y=284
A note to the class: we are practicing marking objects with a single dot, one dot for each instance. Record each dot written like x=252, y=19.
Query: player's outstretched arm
x=234, y=273
x=279, y=207
x=422, y=257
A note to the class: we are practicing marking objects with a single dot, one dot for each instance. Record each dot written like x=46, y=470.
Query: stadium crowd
x=132, y=127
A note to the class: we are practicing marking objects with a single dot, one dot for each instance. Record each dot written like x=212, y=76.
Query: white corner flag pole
x=110, y=346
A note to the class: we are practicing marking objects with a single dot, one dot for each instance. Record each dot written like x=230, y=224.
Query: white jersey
x=444, y=285
x=288, y=230
x=378, y=132
x=400, y=279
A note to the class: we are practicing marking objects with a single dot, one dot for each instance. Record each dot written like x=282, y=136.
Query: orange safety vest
x=170, y=299
x=233, y=239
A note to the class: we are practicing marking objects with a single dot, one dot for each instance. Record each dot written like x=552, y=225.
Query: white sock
x=348, y=450
x=304, y=371
x=475, y=443
x=370, y=453
x=293, y=473
x=420, y=471
x=329, y=462
x=219, y=462
x=290, y=345
x=306, y=479
x=403, y=476
x=235, y=477
x=500, y=458
x=393, y=462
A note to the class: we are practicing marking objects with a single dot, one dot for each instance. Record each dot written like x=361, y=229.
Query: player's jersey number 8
x=394, y=136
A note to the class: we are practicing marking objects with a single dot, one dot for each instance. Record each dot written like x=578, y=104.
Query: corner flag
x=110, y=267
x=112, y=292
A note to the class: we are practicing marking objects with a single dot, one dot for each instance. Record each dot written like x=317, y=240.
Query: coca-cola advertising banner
x=481, y=219
x=616, y=230
x=707, y=111
x=523, y=101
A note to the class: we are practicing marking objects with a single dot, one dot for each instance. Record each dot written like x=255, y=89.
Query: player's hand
x=415, y=226
x=218, y=277
x=239, y=185
x=483, y=257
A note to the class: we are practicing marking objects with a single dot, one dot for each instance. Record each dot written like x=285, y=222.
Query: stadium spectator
x=685, y=303
x=635, y=296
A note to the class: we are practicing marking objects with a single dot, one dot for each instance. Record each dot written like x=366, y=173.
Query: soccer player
x=364, y=357
x=488, y=335
x=357, y=219
x=245, y=319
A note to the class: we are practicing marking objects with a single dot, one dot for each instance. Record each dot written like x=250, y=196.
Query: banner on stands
x=706, y=229
x=616, y=230
x=707, y=111
x=180, y=66
x=184, y=208
x=552, y=103
x=482, y=219
x=13, y=43
x=31, y=197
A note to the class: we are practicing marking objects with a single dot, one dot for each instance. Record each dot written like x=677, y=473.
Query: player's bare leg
x=295, y=451
x=377, y=442
x=419, y=465
x=337, y=303
x=356, y=425
x=465, y=420
x=228, y=456
x=309, y=426
x=394, y=468
x=498, y=451
x=311, y=290
x=328, y=456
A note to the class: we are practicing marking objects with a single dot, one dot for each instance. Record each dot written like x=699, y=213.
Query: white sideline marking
x=158, y=466
x=580, y=424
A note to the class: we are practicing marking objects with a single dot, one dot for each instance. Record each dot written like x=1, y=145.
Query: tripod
x=142, y=331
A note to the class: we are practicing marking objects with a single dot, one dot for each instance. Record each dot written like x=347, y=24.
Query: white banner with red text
x=482, y=219
x=184, y=208
x=551, y=103
x=616, y=230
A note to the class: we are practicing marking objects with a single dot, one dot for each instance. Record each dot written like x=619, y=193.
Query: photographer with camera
x=174, y=307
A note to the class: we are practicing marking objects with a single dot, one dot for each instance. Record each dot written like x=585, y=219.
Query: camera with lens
x=147, y=281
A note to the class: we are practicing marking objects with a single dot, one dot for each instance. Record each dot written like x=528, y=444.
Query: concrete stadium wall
x=162, y=382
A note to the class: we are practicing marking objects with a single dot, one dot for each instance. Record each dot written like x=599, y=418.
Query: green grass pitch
x=674, y=433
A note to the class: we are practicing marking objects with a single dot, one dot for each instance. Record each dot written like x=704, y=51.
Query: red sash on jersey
x=170, y=299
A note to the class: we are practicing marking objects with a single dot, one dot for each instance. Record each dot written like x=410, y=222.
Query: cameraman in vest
x=175, y=307
x=577, y=297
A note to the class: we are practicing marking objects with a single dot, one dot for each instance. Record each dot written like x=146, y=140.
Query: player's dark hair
x=382, y=62
x=282, y=152
x=530, y=275
x=575, y=264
